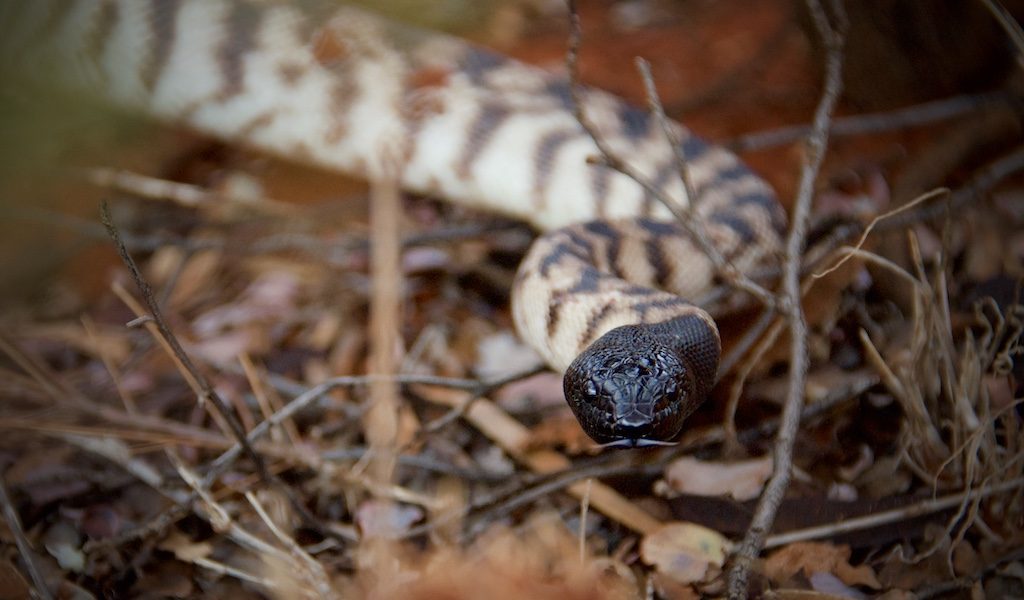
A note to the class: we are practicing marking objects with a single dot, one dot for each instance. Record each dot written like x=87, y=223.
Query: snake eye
x=669, y=396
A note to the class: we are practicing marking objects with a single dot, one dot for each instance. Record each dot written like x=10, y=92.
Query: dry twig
x=684, y=216
x=904, y=118
x=833, y=37
x=208, y=394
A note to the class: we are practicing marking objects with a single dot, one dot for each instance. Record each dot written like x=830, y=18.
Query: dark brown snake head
x=635, y=386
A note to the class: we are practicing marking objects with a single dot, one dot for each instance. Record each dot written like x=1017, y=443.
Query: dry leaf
x=185, y=549
x=63, y=542
x=817, y=557
x=742, y=480
x=384, y=518
x=684, y=551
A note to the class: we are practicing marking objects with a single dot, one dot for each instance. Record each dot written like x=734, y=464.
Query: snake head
x=630, y=388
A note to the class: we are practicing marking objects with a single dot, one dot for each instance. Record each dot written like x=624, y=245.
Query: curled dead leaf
x=684, y=552
x=184, y=549
x=742, y=480
x=818, y=557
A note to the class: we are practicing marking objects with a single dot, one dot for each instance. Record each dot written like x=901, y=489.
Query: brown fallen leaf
x=817, y=557
x=183, y=548
x=684, y=552
x=742, y=480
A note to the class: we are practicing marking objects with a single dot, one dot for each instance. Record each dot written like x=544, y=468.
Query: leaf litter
x=910, y=450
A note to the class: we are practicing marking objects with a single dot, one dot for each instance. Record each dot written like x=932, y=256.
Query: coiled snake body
x=601, y=296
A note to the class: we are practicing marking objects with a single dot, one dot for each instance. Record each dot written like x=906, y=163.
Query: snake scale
x=601, y=295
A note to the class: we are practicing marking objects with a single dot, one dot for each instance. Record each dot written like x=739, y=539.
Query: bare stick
x=817, y=143
x=308, y=396
x=904, y=118
x=928, y=506
x=380, y=424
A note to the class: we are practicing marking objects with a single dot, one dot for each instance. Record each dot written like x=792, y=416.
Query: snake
x=604, y=294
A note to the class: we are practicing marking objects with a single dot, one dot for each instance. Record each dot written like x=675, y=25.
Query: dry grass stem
x=875, y=221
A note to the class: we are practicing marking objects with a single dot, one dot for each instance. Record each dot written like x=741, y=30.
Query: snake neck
x=695, y=343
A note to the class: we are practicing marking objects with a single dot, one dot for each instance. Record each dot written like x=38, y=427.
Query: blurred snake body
x=601, y=295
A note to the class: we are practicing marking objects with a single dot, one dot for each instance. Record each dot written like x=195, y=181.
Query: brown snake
x=601, y=296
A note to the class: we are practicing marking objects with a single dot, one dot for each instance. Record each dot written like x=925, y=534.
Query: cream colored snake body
x=601, y=296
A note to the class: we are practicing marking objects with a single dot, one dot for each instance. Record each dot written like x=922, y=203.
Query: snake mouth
x=636, y=443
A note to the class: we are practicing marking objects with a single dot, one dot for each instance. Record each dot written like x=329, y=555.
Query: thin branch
x=310, y=395
x=750, y=337
x=610, y=159
x=335, y=253
x=416, y=461
x=904, y=513
x=208, y=393
x=904, y=118
x=817, y=143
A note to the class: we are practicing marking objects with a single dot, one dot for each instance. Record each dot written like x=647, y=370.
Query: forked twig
x=208, y=393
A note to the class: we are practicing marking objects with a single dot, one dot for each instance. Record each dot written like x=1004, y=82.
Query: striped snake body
x=601, y=295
